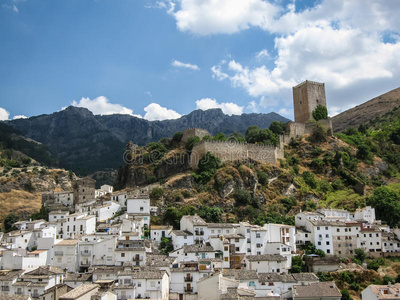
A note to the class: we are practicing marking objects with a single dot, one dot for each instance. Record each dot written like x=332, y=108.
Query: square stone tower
x=306, y=97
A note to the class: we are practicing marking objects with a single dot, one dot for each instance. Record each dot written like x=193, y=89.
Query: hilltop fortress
x=306, y=97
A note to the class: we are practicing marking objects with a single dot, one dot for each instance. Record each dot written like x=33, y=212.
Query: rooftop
x=79, y=291
x=316, y=290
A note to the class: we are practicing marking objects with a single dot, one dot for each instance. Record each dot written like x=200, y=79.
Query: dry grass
x=19, y=202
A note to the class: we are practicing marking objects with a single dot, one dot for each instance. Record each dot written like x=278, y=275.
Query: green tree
x=310, y=179
x=166, y=245
x=220, y=137
x=177, y=137
x=242, y=198
x=262, y=136
x=10, y=219
x=297, y=264
x=207, y=167
x=211, y=214
x=42, y=214
x=320, y=113
x=345, y=295
x=277, y=127
x=386, y=204
x=156, y=193
x=191, y=141
x=360, y=255
x=236, y=137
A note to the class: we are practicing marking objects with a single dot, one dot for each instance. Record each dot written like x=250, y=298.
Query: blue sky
x=163, y=59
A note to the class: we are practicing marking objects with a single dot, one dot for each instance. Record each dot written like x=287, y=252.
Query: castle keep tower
x=306, y=97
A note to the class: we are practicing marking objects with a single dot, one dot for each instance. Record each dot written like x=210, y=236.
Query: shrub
x=360, y=255
x=320, y=113
x=373, y=265
x=319, y=133
x=310, y=179
x=156, y=193
x=242, y=198
x=345, y=295
x=177, y=137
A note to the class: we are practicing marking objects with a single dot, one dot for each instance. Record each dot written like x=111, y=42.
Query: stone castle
x=306, y=97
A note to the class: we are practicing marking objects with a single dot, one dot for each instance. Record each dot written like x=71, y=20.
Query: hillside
x=332, y=173
x=367, y=111
x=81, y=140
x=21, y=189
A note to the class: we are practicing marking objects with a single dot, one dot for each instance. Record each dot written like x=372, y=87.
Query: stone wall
x=231, y=151
x=306, y=97
x=192, y=132
x=295, y=129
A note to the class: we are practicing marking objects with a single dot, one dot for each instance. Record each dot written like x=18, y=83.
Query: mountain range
x=85, y=143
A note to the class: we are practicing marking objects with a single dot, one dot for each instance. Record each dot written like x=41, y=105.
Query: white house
x=106, y=211
x=159, y=231
x=181, y=238
x=96, y=250
x=66, y=255
x=380, y=292
x=366, y=213
x=79, y=224
x=266, y=263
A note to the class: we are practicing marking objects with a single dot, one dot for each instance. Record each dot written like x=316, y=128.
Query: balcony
x=188, y=278
x=5, y=288
x=199, y=232
x=86, y=253
x=59, y=253
x=85, y=263
x=188, y=290
x=137, y=258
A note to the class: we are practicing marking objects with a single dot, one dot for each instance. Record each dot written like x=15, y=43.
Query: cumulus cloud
x=179, y=64
x=204, y=17
x=4, y=114
x=229, y=108
x=155, y=111
x=263, y=54
x=102, y=106
x=19, y=117
x=217, y=73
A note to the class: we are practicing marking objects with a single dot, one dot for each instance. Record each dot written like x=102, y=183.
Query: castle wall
x=228, y=151
x=192, y=132
x=306, y=97
x=295, y=129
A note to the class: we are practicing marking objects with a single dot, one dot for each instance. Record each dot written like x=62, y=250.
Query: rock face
x=86, y=143
x=367, y=111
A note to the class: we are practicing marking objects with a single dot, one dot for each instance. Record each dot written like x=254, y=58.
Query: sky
x=163, y=59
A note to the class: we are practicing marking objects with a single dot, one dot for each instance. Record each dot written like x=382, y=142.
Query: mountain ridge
x=369, y=110
x=82, y=140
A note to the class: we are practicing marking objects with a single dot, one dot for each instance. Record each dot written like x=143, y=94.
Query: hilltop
x=367, y=111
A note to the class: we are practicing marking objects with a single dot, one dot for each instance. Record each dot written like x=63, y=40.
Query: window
x=141, y=208
x=227, y=231
x=236, y=240
x=319, y=243
x=338, y=237
x=338, y=229
x=327, y=242
x=237, y=249
x=226, y=258
x=226, y=248
x=306, y=235
x=377, y=235
x=248, y=250
x=326, y=228
x=248, y=230
x=259, y=245
x=251, y=283
x=327, y=235
x=270, y=283
x=328, y=251
x=122, y=254
x=258, y=235
x=139, y=284
x=318, y=228
x=212, y=231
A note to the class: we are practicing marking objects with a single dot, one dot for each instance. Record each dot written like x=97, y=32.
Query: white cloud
x=12, y=7
x=20, y=117
x=227, y=108
x=263, y=54
x=179, y=64
x=204, y=17
x=342, y=58
x=286, y=112
x=102, y=106
x=4, y=114
x=155, y=111
x=217, y=74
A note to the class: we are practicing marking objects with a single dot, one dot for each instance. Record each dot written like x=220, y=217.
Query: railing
x=199, y=232
x=188, y=279
x=5, y=288
x=60, y=253
x=137, y=258
x=188, y=289
x=86, y=253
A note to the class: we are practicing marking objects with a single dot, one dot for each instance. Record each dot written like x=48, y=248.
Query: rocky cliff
x=86, y=143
